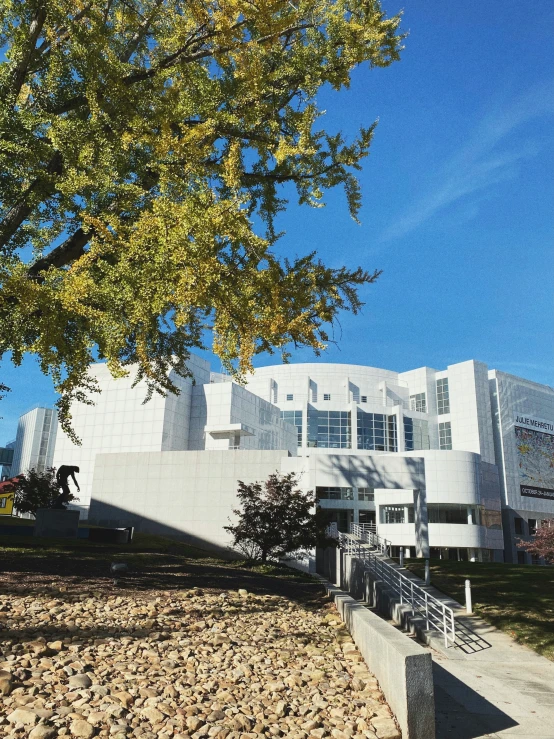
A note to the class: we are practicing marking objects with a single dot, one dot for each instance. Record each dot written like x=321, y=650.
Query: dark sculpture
x=62, y=476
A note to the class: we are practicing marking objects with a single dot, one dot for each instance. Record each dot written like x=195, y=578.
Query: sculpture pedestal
x=56, y=523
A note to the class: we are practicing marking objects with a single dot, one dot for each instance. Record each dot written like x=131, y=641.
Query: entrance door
x=343, y=519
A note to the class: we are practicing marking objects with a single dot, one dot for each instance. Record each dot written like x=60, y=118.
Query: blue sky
x=458, y=201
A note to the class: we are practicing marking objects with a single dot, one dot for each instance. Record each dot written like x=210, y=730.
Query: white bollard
x=469, y=605
x=427, y=573
x=401, y=556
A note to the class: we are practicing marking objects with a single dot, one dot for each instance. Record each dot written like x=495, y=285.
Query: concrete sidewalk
x=488, y=685
x=498, y=689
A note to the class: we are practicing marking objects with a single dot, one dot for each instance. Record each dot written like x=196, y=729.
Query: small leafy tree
x=277, y=519
x=542, y=543
x=33, y=490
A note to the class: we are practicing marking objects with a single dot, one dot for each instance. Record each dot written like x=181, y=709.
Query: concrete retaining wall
x=361, y=583
x=402, y=667
x=61, y=524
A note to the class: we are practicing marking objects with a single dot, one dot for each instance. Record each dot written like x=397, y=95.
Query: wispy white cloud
x=484, y=161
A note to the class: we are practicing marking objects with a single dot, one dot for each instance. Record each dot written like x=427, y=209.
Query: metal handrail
x=364, y=527
x=437, y=615
x=369, y=536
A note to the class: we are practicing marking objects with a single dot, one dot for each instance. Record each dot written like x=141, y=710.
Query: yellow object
x=6, y=504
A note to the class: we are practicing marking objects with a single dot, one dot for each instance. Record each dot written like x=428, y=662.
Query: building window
x=364, y=398
x=408, y=434
x=331, y=493
x=443, y=397
x=396, y=514
x=521, y=558
x=445, y=435
x=377, y=432
x=329, y=429
x=294, y=418
x=342, y=518
x=355, y=397
x=532, y=524
x=416, y=434
x=3, y=502
x=371, y=431
x=290, y=396
x=418, y=402
x=450, y=514
x=326, y=396
x=366, y=494
x=392, y=514
x=392, y=440
x=518, y=525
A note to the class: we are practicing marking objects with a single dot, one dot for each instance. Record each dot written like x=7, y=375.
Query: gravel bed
x=190, y=663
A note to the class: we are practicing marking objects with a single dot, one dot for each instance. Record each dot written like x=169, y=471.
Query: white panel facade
x=35, y=441
x=120, y=421
x=470, y=413
x=345, y=430
x=225, y=415
x=187, y=494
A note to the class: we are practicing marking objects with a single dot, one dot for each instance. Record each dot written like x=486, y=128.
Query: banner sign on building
x=535, y=451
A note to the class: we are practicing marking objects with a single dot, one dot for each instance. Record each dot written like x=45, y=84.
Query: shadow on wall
x=106, y=514
x=369, y=471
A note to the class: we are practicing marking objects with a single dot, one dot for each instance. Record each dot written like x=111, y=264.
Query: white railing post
x=421, y=601
x=401, y=590
x=426, y=611
x=469, y=605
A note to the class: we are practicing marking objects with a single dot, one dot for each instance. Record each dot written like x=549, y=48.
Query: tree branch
x=140, y=34
x=62, y=35
x=74, y=247
x=71, y=249
x=288, y=177
x=178, y=55
x=170, y=60
x=21, y=211
x=20, y=72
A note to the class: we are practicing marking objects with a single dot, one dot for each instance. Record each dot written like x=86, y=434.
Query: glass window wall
x=294, y=418
x=443, y=397
x=332, y=493
x=445, y=435
x=377, y=432
x=418, y=402
x=329, y=429
x=416, y=434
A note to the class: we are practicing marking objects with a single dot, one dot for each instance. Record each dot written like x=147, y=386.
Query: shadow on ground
x=461, y=713
x=78, y=572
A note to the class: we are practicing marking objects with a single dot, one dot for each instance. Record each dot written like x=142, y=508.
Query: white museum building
x=474, y=446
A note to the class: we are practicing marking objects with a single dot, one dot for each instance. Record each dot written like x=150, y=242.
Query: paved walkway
x=497, y=688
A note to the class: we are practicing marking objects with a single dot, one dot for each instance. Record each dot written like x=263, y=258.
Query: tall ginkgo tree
x=140, y=141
